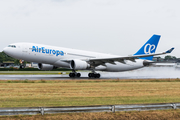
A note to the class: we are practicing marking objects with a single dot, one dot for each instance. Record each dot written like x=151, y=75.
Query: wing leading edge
x=101, y=61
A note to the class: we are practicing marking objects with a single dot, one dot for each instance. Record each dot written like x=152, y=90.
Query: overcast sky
x=110, y=26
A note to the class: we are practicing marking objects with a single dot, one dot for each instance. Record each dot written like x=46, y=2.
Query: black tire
x=70, y=74
x=91, y=75
x=98, y=75
x=21, y=66
x=95, y=75
x=73, y=75
x=78, y=75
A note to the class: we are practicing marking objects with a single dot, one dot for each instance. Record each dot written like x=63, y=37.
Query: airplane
x=49, y=57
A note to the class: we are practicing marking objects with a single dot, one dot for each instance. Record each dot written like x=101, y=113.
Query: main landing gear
x=94, y=75
x=74, y=74
x=90, y=75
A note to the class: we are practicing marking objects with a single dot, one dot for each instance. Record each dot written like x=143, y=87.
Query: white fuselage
x=56, y=56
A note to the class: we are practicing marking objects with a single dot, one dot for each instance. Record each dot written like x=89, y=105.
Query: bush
x=31, y=69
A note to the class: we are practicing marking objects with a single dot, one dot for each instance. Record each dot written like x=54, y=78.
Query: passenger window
x=13, y=46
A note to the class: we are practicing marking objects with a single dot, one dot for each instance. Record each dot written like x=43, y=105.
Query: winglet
x=170, y=50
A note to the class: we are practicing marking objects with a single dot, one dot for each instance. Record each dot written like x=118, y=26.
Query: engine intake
x=79, y=64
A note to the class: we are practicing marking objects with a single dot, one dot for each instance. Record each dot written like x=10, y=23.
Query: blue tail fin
x=149, y=47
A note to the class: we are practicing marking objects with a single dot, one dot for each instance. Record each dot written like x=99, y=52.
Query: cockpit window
x=13, y=46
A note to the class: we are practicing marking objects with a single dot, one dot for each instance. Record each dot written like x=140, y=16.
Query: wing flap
x=102, y=61
x=131, y=58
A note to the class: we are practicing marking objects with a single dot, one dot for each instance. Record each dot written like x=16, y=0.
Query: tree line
x=5, y=57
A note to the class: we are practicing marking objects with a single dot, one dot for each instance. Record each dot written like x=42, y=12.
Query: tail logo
x=148, y=48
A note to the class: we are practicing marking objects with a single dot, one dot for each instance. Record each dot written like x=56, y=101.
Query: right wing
x=101, y=61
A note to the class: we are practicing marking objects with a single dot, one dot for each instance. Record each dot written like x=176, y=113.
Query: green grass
x=83, y=101
x=29, y=93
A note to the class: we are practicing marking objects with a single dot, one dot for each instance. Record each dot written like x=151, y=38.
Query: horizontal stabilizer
x=169, y=51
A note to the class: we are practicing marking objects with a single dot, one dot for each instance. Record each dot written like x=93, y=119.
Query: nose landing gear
x=22, y=66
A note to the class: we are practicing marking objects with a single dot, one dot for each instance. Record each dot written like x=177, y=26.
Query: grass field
x=29, y=93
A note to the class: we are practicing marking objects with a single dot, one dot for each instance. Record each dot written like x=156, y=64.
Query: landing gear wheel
x=78, y=74
x=98, y=75
x=94, y=75
x=21, y=66
x=72, y=75
x=90, y=75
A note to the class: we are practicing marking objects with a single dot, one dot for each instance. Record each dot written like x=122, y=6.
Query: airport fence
x=101, y=108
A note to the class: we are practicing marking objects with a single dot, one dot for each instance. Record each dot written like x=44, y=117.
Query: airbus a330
x=49, y=57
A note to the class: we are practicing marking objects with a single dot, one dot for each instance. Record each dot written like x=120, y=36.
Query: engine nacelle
x=45, y=66
x=148, y=63
x=79, y=64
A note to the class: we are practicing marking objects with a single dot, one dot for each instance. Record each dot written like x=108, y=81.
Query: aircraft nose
x=7, y=51
x=13, y=52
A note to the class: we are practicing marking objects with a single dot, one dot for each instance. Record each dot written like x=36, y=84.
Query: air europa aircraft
x=49, y=57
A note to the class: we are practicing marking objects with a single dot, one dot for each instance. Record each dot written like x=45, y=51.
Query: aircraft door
x=27, y=54
x=24, y=50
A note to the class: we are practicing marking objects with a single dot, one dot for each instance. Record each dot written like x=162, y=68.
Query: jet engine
x=79, y=64
x=148, y=63
x=45, y=66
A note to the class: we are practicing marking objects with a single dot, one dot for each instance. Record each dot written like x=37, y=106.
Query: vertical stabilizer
x=149, y=47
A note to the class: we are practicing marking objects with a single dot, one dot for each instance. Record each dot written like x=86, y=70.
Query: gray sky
x=110, y=26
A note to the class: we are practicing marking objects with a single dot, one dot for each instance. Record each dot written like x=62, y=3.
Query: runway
x=144, y=73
